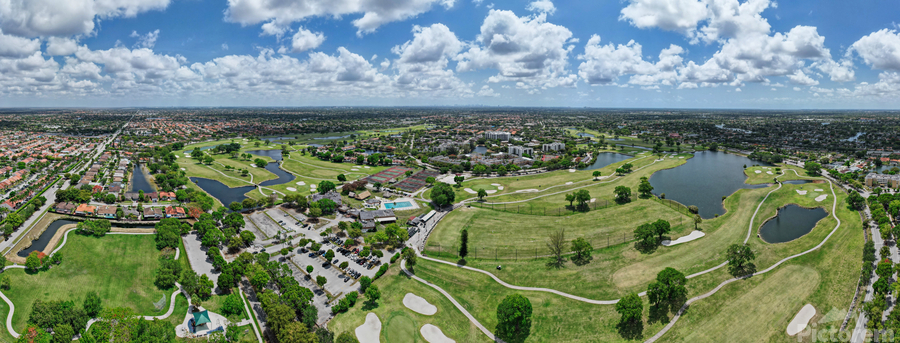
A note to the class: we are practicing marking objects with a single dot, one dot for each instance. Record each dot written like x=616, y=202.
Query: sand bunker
x=819, y=190
x=681, y=157
x=769, y=172
x=183, y=169
x=500, y=188
x=312, y=186
x=301, y=183
x=433, y=334
x=801, y=320
x=684, y=239
x=495, y=184
x=354, y=169
x=187, y=155
x=801, y=192
x=569, y=183
x=253, y=165
x=593, y=199
x=419, y=304
x=370, y=330
x=491, y=191
x=470, y=191
x=758, y=171
x=291, y=189
x=571, y=170
x=367, y=167
x=527, y=191
x=821, y=197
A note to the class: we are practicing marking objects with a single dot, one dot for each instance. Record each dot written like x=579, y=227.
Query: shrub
x=381, y=271
x=395, y=257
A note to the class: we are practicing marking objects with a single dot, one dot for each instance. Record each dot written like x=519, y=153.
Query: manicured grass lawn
x=181, y=308
x=400, y=324
x=121, y=268
x=215, y=303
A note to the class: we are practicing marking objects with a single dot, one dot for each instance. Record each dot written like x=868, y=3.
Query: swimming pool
x=394, y=205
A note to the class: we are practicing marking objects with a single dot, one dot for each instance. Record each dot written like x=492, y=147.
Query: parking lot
x=265, y=224
x=196, y=255
x=319, y=300
x=286, y=221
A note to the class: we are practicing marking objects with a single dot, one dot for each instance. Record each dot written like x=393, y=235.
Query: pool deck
x=411, y=201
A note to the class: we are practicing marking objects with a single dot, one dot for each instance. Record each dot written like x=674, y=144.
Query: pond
x=791, y=223
x=276, y=139
x=275, y=154
x=220, y=191
x=331, y=137
x=801, y=182
x=203, y=148
x=41, y=242
x=283, y=176
x=604, y=159
x=480, y=150
x=139, y=181
x=585, y=134
x=704, y=180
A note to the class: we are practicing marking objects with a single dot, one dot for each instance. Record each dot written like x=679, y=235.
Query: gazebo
x=200, y=320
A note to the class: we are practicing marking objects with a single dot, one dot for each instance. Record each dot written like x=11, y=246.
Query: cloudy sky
x=629, y=53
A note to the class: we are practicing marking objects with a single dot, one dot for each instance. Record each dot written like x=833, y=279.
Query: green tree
x=661, y=227
x=442, y=194
x=33, y=262
x=92, y=304
x=235, y=206
x=514, y=318
x=260, y=163
x=464, y=244
x=556, y=243
x=856, y=201
x=342, y=177
x=325, y=187
x=372, y=296
x=630, y=308
x=645, y=188
x=233, y=304
x=668, y=291
x=623, y=194
x=296, y=332
x=582, y=250
x=329, y=254
x=740, y=260
x=321, y=281
x=482, y=193
x=812, y=168
x=364, y=283
x=645, y=234
x=596, y=174
x=346, y=337
x=410, y=257
x=62, y=333
x=582, y=196
x=697, y=221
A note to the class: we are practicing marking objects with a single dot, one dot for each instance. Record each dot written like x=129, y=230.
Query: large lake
x=604, y=159
x=704, y=180
x=791, y=223
x=228, y=195
x=41, y=242
x=139, y=181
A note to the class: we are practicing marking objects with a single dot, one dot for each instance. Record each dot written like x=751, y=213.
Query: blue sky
x=631, y=53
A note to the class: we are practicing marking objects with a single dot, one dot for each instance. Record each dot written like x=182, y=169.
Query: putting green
x=400, y=327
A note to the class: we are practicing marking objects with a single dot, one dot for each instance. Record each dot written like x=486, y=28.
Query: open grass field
x=118, y=267
x=215, y=303
x=400, y=324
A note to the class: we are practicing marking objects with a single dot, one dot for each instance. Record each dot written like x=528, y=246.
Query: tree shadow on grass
x=659, y=313
x=369, y=305
x=645, y=248
x=631, y=330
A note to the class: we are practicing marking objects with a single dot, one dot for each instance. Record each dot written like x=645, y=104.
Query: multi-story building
x=882, y=180
x=520, y=150
x=499, y=135
x=555, y=146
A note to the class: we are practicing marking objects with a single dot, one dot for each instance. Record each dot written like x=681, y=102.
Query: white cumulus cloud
x=306, y=40
x=32, y=18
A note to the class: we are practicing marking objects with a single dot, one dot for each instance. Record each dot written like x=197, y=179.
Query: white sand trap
x=291, y=189
x=769, y=172
x=684, y=239
x=433, y=334
x=367, y=167
x=571, y=170
x=801, y=320
x=593, y=199
x=495, y=184
x=186, y=155
x=370, y=330
x=681, y=157
x=527, y=191
x=801, y=192
x=819, y=190
x=183, y=169
x=312, y=186
x=354, y=169
x=500, y=188
x=758, y=171
x=470, y=191
x=569, y=183
x=821, y=197
x=301, y=183
x=253, y=165
x=418, y=304
x=491, y=191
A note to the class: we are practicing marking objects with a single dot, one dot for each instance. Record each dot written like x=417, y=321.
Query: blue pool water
x=393, y=205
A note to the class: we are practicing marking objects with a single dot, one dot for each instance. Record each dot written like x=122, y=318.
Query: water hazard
x=604, y=159
x=791, y=223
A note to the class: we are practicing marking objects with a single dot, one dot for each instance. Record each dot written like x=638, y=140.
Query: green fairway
x=120, y=268
x=394, y=287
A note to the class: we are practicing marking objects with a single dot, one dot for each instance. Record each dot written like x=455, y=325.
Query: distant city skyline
x=691, y=54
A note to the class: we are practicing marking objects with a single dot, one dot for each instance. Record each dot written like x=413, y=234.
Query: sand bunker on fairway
x=367, y=167
x=769, y=172
x=433, y=334
x=186, y=155
x=253, y=165
x=571, y=170
x=291, y=189
x=758, y=171
x=569, y=183
x=821, y=197
x=419, y=304
x=593, y=199
x=491, y=191
x=470, y=191
x=500, y=188
x=354, y=169
x=495, y=184
x=527, y=191
x=183, y=169
x=819, y=190
x=801, y=320
x=312, y=186
x=301, y=183
x=681, y=157
x=801, y=192
x=684, y=239
x=370, y=331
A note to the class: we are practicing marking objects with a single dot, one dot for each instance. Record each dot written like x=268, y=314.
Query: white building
x=520, y=150
x=500, y=135
x=555, y=146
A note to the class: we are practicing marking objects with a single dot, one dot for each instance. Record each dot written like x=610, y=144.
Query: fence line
x=525, y=208
x=520, y=252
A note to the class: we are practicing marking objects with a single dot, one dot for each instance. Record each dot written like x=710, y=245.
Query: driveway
x=196, y=255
